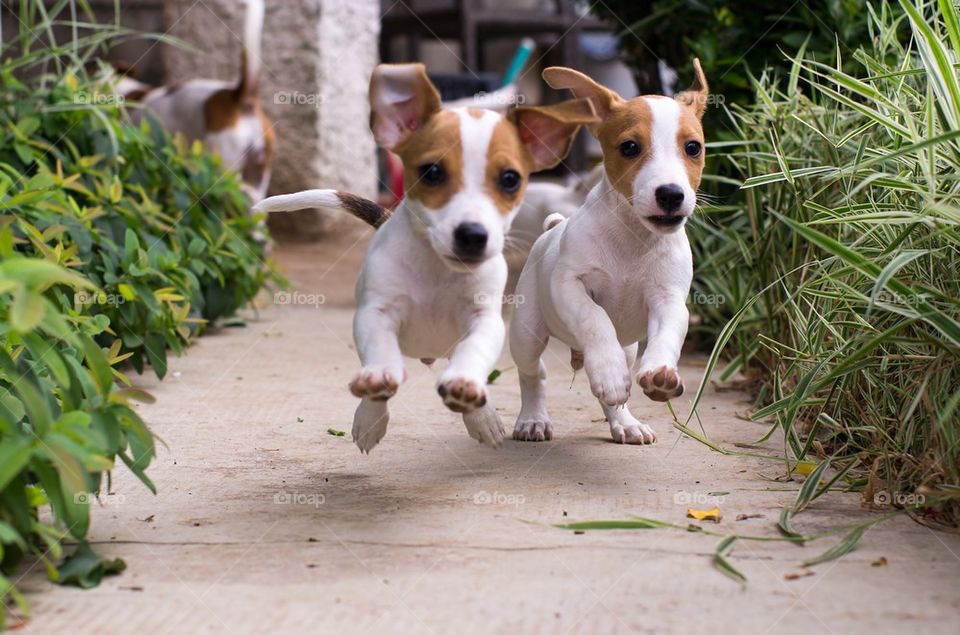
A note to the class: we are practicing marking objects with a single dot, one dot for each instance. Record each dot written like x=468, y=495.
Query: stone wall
x=317, y=56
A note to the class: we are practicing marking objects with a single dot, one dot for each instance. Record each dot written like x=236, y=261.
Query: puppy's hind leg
x=483, y=424
x=370, y=423
x=624, y=427
x=528, y=339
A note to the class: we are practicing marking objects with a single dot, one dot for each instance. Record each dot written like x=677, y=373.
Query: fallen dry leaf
x=797, y=575
x=713, y=514
x=879, y=562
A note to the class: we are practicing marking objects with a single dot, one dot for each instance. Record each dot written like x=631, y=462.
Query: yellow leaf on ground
x=705, y=514
x=804, y=467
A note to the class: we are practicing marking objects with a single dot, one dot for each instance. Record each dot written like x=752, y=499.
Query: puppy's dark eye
x=630, y=149
x=432, y=174
x=509, y=181
x=692, y=148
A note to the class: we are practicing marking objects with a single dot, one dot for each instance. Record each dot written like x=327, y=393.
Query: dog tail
x=250, y=62
x=364, y=209
x=553, y=220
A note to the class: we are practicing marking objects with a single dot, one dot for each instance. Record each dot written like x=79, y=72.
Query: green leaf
x=335, y=432
x=721, y=561
x=14, y=456
x=636, y=523
x=845, y=546
x=27, y=310
x=85, y=568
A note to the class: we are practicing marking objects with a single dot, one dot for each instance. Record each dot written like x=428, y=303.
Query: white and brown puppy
x=432, y=280
x=619, y=270
x=225, y=116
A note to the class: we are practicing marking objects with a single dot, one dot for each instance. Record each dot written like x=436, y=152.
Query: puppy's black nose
x=470, y=240
x=669, y=197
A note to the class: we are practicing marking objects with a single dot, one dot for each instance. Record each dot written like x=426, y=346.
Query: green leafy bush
x=117, y=243
x=840, y=272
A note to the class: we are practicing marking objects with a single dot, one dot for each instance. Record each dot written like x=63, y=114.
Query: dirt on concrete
x=267, y=523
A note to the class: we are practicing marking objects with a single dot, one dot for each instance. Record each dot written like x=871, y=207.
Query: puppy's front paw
x=375, y=382
x=661, y=384
x=462, y=395
x=537, y=429
x=609, y=379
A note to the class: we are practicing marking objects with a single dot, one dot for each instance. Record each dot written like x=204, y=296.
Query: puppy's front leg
x=375, y=334
x=462, y=383
x=666, y=329
x=595, y=335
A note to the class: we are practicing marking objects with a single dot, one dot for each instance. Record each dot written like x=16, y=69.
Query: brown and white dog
x=619, y=270
x=432, y=280
x=225, y=116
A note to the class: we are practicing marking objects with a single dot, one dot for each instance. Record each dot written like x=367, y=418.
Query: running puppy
x=225, y=116
x=619, y=270
x=432, y=280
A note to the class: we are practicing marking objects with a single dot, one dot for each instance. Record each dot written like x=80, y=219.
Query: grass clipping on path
x=840, y=268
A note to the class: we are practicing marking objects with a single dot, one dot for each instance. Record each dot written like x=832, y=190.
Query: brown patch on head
x=691, y=130
x=221, y=111
x=438, y=141
x=506, y=152
x=629, y=121
x=476, y=113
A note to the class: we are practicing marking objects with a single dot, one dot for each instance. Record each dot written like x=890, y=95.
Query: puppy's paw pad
x=462, y=395
x=533, y=430
x=633, y=434
x=375, y=382
x=661, y=384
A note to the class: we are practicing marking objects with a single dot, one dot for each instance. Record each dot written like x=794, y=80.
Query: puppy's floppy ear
x=603, y=98
x=696, y=95
x=402, y=98
x=548, y=131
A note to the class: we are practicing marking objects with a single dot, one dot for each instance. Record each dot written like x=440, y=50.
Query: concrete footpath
x=266, y=523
